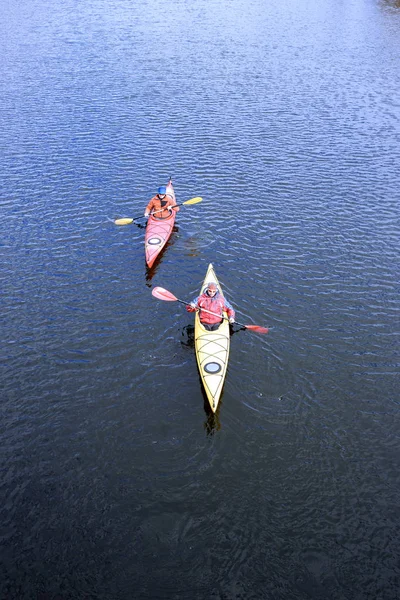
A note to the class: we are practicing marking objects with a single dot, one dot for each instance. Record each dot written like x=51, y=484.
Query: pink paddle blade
x=162, y=294
x=257, y=328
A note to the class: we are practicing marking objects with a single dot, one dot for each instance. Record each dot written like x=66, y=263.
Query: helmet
x=211, y=286
x=162, y=190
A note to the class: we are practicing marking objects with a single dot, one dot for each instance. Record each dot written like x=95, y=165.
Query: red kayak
x=158, y=231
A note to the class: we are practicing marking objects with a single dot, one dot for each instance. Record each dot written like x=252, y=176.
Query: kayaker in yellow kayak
x=211, y=300
x=161, y=204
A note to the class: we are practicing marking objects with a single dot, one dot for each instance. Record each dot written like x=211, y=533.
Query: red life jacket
x=216, y=305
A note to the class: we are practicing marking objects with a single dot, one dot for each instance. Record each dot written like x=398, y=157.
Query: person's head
x=211, y=289
x=162, y=190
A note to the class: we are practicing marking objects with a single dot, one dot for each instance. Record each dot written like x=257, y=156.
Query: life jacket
x=216, y=304
x=156, y=204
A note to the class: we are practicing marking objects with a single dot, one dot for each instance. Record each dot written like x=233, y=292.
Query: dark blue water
x=116, y=481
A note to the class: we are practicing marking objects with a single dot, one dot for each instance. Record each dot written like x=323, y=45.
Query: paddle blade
x=126, y=221
x=193, y=200
x=257, y=328
x=162, y=294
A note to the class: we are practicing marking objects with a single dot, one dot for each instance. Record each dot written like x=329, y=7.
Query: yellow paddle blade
x=125, y=221
x=193, y=200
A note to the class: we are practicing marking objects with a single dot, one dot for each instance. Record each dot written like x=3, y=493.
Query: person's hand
x=192, y=305
x=231, y=320
x=146, y=214
x=170, y=210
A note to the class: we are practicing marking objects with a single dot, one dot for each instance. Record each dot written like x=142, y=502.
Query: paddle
x=162, y=294
x=127, y=221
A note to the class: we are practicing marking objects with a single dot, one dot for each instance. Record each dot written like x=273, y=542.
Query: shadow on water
x=188, y=336
x=212, y=422
x=140, y=225
x=150, y=272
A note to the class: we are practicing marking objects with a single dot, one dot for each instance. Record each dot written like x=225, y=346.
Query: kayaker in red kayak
x=161, y=202
x=213, y=301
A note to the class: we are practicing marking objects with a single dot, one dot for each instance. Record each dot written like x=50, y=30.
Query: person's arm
x=149, y=208
x=192, y=307
x=171, y=203
x=229, y=311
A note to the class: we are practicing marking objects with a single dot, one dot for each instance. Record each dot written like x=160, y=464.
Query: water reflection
x=191, y=246
x=390, y=3
x=212, y=422
x=188, y=336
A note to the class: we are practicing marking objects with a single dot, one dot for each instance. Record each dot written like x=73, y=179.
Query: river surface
x=116, y=481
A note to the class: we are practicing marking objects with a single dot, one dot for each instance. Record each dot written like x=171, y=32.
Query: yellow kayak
x=212, y=350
